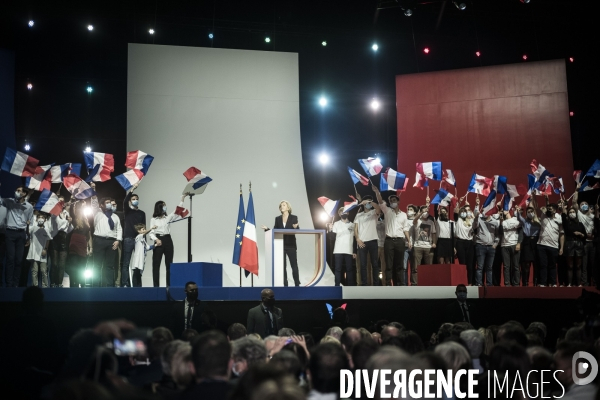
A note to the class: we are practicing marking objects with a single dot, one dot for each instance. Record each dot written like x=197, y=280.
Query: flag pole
x=190, y=230
x=250, y=191
x=240, y=249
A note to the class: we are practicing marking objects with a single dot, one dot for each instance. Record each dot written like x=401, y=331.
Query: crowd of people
x=266, y=359
x=91, y=241
x=552, y=245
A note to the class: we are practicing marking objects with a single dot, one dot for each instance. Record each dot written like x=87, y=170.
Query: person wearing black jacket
x=575, y=235
x=265, y=319
x=133, y=216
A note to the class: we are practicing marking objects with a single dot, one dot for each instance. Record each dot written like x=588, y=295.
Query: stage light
x=478, y=54
x=88, y=148
x=460, y=5
x=375, y=47
x=88, y=273
x=525, y=1
x=89, y=89
x=27, y=146
x=323, y=43
x=571, y=113
x=408, y=12
x=375, y=104
x=426, y=50
x=29, y=86
x=90, y=28
x=378, y=160
x=31, y=23
x=151, y=31
x=87, y=211
x=571, y=59
x=524, y=56
x=324, y=158
x=322, y=101
x=210, y=36
x=268, y=39
x=324, y=216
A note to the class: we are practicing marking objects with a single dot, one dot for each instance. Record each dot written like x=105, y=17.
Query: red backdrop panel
x=489, y=120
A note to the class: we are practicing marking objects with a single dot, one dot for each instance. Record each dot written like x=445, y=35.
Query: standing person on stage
x=119, y=264
x=163, y=244
x=40, y=235
x=509, y=227
x=397, y=229
x=288, y=221
x=107, y=235
x=138, y=257
x=425, y=241
x=409, y=259
x=343, y=250
x=80, y=245
x=365, y=231
x=550, y=243
x=585, y=215
x=486, y=240
x=575, y=236
x=62, y=226
x=445, y=235
x=19, y=213
x=133, y=216
x=463, y=239
x=531, y=233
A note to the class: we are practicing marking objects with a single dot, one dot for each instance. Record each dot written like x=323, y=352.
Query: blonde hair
x=287, y=203
x=180, y=367
x=488, y=337
x=330, y=339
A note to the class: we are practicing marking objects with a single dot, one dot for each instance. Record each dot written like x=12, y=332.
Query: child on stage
x=138, y=257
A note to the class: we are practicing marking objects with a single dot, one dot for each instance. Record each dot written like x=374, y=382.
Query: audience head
x=159, y=339
x=308, y=339
x=299, y=351
x=410, y=342
x=334, y=331
x=364, y=333
x=236, y=331
x=512, y=331
x=247, y=351
x=211, y=355
x=326, y=361
x=488, y=340
x=267, y=382
x=389, y=331
x=474, y=341
x=539, y=358
x=454, y=355
x=330, y=339
x=541, y=327
x=288, y=361
x=509, y=356
x=188, y=334
x=348, y=338
x=376, y=337
x=286, y=332
x=459, y=327
x=444, y=332
x=169, y=351
x=362, y=351
x=270, y=342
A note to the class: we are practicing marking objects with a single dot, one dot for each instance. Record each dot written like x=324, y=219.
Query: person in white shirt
x=464, y=247
x=486, y=238
x=62, y=226
x=509, y=232
x=585, y=214
x=445, y=235
x=107, y=235
x=365, y=231
x=138, y=257
x=343, y=249
x=40, y=234
x=424, y=242
x=550, y=243
x=396, y=227
x=163, y=244
x=411, y=212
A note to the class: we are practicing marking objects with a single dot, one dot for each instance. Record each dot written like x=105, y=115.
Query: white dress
x=138, y=257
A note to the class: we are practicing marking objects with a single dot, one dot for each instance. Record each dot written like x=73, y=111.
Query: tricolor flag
x=239, y=232
x=356, y=177
x=585, y=187
x=594, y=170
x=448, y=176
x=199, y=179
x=249, y=252
x=349, y=205
x=58, y=172
x=99, y=166
x=442, y=198
x=49, y=203
x=577, y=176
x=392, y=180
x=329, y=205
x=372, y=166
x=430, y=170
x=182, y=211
x=129, y=178
x=420, y=181
x=556, y=183
x=525, y=201
x=480, y=184
x=78, y=188
x=139, y=160
x=41, y=179
x=540, y=173
x=403, y=187
x=18, y=163
x=489, y=207
x=499, y=184
x=512, y=192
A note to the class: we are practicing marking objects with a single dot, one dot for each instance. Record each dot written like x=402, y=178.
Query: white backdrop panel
x=234, y=114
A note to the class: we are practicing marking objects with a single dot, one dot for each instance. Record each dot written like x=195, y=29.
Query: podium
x=274, y=255
x=204, y=274
x=442, y=275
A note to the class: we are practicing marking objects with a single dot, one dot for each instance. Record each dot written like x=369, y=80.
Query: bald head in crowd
x=389, y=331
x=348, y=338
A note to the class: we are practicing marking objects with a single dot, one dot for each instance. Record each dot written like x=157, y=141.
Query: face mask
x=461, y=295
x=394, y=205
x=410, y=213
x=344, y=217
x=113, y=207
x=40, y=222
x=470, y=214
x=584, y=207
x=368, y=206
x=496, y=216
x=192, y=296
x=572, y=215
x=549, y=213
x=108, y=207
x=269, y=303
x=424, y=215
x=530, y=215
x=17, y=195
x=135, y=203
x=164, y=209
x=463, y=215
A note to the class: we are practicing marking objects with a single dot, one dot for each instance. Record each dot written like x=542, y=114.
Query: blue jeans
x=372, y=249
x=407, y=256
x=128, y=246
x=485, y=260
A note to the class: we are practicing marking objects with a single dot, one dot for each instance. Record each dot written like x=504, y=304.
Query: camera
x=134, y=343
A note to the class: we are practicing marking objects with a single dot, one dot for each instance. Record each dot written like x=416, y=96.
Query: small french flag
x=329, y=205
x=577, y=175
x=99, y=166
x=40, y=180
x=371, y=165
x=404, y=187
x=448, y=176
x=594, y=170
x=139, y=160
x=349, y=205
x=430, y=170
x=18, y=163
x=49, y=203
x=181, y=211
x=489, y=207
x=392, y=180
x=129, y=178
x=421, y=181
x=78, y=187
x=499, y=184
x=356, y=177
x=480, y=184
x=193, y=174
x=442, y=198
x=58, y=172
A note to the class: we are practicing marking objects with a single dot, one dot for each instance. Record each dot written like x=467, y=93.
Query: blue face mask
x=584, y=207
x=368, y=206
x=135, y=203
x=461, y=295
x=164, y=209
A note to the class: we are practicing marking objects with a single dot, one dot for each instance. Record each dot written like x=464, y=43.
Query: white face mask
x=394, y=205
x=463, y=215
x=424, y=215
x=410, y=213
x=572, y=215
x=18, y=195
x=40, y=222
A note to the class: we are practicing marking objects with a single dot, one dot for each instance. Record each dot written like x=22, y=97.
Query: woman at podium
x=288, y=221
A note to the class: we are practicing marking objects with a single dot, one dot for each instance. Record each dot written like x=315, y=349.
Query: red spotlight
x=426, y=50
x=524, y=56
x=571, y=113
x=571, y=59
x=478, y=54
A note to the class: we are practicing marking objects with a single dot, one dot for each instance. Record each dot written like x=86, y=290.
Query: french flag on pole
x=99, y=166
x=129, y=178
x=430, y=170
x=489, y=207
x=421, y=181
x=512, y=192
x=392, y=180
x=356, y=177
x=448, y=176
x=49, y=203
x=329, y=205
x=40, y=180
x=349, y=205
x=18, y=163
x=182, y=211
x=193, y=174
x=372, y=166
x=499, y=184
x=585, y=187
x=442, y=198
x=480, y=185
x=58, y=172
x=249, y=252
x=78, y=187
x=403, y=189
x=539, y=171
x=577, y=175
x=139, y=160
x=594, y=170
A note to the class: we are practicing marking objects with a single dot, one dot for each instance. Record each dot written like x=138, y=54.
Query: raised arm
x=377, y=194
